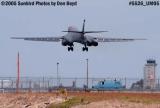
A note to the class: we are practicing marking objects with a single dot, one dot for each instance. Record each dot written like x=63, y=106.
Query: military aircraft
x=74, y=35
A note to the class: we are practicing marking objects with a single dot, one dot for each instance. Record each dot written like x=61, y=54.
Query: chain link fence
x=46, y=84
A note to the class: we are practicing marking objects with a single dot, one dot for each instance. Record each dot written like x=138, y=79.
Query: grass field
x=80, y=100
x=83, y=99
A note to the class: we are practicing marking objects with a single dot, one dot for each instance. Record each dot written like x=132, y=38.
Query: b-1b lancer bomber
x=73, y=35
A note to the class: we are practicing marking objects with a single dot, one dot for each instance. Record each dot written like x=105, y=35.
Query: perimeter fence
x=49, y=84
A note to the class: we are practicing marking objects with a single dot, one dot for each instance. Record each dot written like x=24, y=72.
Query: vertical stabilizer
x=83, y=26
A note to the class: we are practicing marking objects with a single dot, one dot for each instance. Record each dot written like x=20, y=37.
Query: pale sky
x=107, y=60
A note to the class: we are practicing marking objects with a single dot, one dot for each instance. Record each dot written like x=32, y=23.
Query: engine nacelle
x=89, y=44
x=66, y=43
x=93, y=43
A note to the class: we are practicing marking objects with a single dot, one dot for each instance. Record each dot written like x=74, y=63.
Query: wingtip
x=12, y=37
x=141, y=39
x=15, y=38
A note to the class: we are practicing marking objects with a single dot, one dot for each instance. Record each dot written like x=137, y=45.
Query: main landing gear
x=85, y=49
x=70, y=48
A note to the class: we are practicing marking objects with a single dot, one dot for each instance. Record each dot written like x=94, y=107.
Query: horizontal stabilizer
x=85, y=31
x=95, y=31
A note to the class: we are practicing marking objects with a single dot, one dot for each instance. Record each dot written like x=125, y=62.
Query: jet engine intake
x=93, y=43
x=66, y=43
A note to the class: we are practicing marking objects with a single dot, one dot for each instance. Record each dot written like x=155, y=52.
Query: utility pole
x=87, y=73
x=18, y=74
x=57, y=74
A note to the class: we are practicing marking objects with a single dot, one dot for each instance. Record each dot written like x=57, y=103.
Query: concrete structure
x=150, y=74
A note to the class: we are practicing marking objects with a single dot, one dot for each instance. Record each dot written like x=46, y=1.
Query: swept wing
x=101, y=39
x=48, y=39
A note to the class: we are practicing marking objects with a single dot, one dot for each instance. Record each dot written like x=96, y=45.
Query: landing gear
x=70, y=48
x=85, y=49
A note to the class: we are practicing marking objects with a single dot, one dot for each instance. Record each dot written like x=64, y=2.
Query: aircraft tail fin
x=75, y=30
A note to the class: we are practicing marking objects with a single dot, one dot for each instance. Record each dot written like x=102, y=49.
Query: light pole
x=57, y=74
x=18, y=74
x=87, y=73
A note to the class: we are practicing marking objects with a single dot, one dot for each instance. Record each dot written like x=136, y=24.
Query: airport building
x=150, y=74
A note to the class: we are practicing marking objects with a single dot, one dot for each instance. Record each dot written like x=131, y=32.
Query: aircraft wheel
x=71, y=48
x=83, y=49
x=68, y=49
x=86, y=49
